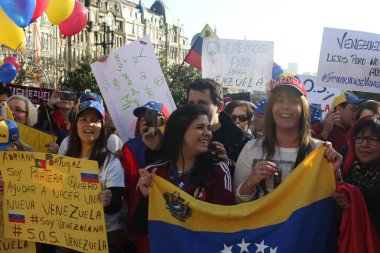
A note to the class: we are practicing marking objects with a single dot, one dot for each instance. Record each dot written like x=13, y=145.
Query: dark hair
x=371, y=105
x=216, y=91
x=5, y=90
x=230, y=107
x=100, y=151
x=176, y=127
x=270, y=138
x=372, y=123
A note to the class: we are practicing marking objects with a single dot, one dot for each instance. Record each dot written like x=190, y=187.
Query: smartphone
x=3, y=109
x=151, y=120
x=67, y=96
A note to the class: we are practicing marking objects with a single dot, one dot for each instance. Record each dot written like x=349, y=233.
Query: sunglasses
x=242, y=118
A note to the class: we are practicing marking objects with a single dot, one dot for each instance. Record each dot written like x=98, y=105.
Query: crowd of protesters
x=219, y=153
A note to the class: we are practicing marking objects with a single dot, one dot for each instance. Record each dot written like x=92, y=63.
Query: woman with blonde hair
x=265, y=162
x=23, y=110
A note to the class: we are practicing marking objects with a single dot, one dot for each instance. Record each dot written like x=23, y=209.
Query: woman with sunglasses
x=241, y=114
x=362, y=166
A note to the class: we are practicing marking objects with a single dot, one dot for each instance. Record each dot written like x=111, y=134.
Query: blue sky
x=295, y=26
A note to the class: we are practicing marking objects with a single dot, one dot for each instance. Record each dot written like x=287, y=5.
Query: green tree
x=182, y=76
x=80, y=78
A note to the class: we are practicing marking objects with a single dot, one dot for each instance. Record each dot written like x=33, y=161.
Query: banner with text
x=36, y=94
x=53, y=199
x=129, y=78
x=12, y=245
x=319, y=95
x=350, y=60
x=239, y=64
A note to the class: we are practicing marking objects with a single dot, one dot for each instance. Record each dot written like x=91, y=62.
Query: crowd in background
x=219, y=152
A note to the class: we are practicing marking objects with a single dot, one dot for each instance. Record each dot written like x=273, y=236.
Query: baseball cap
x=315, y=113
x=91, y=104
x=158, y=106
x=291, y=81
x=260, y=106
x=90, y=96
x=346, y=96
x=8, y=133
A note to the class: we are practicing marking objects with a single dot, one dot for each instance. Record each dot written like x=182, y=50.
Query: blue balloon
x=8, y=72
x=276, y=72
x=19, y=11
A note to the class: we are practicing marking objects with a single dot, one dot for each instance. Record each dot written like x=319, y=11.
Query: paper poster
x=238, y=64
x=53, y=199
x=316, y=94
x=350, y=60
x=34, y=138
x=12, y=245
x=129, y=78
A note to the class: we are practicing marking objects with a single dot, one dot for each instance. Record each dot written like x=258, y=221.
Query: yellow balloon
x=11, y=35
x=59, y=10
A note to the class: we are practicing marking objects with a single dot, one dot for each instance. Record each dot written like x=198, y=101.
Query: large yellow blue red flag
x=298, y=216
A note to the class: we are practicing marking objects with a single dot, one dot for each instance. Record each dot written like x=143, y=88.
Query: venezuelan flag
x=194, y=57
x=298, y=216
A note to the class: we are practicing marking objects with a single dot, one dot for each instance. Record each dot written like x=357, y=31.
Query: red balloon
x=40, y=8
x=76, y=22
x=12, y=60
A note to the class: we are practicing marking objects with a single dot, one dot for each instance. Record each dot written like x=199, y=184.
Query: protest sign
x=12, y=245
x=350, y=60
x=129, y=78
x=53, y=199
x=36, y=95
x=34, y=138
x=319, y=95
x=240, y=64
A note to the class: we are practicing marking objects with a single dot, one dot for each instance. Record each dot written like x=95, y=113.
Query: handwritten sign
x=350, y=60
x=35, y=94
x=12, y=245
x=35, y=139
x=129, y=78
x=53, y=199
x=240, y=64
x=317, y=94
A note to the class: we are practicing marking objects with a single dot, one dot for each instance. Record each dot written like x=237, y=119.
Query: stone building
x=119, y=21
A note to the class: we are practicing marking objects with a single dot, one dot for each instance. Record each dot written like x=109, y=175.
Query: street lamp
x=106, y=23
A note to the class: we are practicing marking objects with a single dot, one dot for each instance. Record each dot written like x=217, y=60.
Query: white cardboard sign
x=129, y=78
x=238, y=64
x=350, y=60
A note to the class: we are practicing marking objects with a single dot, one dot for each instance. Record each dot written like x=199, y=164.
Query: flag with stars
x=298, y=216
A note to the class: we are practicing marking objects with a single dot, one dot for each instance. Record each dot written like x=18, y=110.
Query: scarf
x=364, y=175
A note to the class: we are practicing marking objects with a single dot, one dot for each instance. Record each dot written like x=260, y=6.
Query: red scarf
x=59, y=121
x=357, y=234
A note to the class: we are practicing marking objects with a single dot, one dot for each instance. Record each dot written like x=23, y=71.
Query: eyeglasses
x=241, y=118
x=18, y=110
x=371, y=140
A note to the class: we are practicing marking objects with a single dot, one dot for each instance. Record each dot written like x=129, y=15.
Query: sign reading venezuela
x=53, y=199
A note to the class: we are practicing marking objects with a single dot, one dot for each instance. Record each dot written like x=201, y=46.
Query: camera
x=151, y=120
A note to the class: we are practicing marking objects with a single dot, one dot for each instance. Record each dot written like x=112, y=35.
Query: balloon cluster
x=8, y=69
x=69, y=15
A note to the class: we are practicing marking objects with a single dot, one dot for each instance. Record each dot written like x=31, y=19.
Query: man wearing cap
x=259, y=117
x=338, y=121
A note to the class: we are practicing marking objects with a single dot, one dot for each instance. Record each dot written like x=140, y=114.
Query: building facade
x=48, y=55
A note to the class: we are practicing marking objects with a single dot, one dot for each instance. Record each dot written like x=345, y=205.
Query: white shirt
x=251, y=154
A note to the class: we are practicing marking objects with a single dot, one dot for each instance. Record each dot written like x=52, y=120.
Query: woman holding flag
x=265, y=162
x=188, y=162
